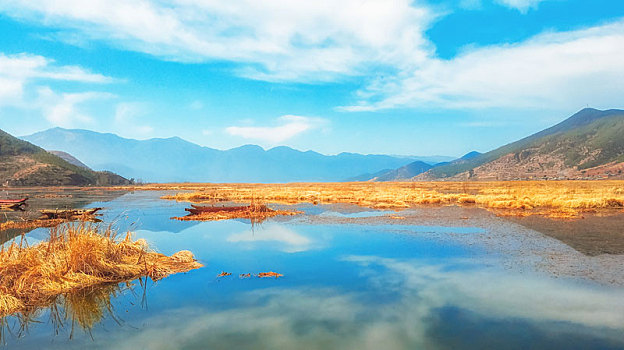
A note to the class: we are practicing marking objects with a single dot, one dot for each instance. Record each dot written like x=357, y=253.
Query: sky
x=368, y=76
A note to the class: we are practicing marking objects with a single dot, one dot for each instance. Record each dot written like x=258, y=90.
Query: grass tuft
x=76, y=257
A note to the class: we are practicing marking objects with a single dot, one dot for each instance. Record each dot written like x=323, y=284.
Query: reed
x=559, y=199
x=73, y=258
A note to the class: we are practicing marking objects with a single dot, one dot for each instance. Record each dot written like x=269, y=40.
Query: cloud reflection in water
x=291, y=241
x=433, y=307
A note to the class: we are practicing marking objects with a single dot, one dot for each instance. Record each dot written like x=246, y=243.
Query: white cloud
x=289, y=127
x=328, y=40
x=127, y=120
x=521, y=5
x=551, y=70
x=16, y=71
x=275, y=39
x=64, y=109
x=24, y=84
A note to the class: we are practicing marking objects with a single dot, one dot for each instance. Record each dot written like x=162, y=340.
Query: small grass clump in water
x=76, y=257
x=254, y=212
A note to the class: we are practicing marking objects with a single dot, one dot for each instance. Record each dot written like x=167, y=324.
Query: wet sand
x=594, y=234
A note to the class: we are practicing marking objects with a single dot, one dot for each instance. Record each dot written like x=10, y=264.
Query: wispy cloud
x=273, y=40
x=127, y=120
x=25, y=84
x=521, y=5
x=383, y=41
x=16, y=71
x=64, y=109
x=288, y=126
x=550, y=70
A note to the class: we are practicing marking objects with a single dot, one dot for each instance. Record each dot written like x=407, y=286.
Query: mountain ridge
x=24, y=164
x=410, y=170
x=177, y=160
x=589, y=144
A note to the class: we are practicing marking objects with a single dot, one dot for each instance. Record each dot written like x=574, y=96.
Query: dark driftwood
x=67, y=213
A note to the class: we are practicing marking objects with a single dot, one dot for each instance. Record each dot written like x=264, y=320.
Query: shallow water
x=347, y=286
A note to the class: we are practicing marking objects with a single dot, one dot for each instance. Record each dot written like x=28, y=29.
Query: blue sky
x=367, y=76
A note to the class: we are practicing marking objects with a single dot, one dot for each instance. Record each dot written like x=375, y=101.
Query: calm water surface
x=347, y=286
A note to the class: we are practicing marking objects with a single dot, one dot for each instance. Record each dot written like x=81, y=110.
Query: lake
x=354, y=278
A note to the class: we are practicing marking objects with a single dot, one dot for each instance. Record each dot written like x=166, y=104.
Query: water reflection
x=497, y=294
x=144, y=210
x=350, y=286
x=8, y=235
x=428, y=307
x=330, y=318
x=273, y=232
x=84, y=309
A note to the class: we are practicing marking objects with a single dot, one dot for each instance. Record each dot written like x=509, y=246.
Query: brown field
x=556, y=199
x=74, y=258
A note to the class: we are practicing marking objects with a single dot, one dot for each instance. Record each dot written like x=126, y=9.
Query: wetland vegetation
x=349, y=260
x=556, y=199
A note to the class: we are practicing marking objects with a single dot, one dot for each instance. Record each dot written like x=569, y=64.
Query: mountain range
x=176, y=160
x=587, y=145
x=24, y=164
x=412, y=169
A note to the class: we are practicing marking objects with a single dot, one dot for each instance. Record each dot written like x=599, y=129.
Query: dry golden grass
x=77, y=257
x=30, y=224
x=559, y=199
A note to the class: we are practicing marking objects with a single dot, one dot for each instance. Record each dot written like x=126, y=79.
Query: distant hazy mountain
x=461, y=160
x=177, y=160
x=24, y=164
x=69, y=159
x=469, y=156
x=589, y=144
x=405, y=172
x=412, y=169
x=431, y=160
x=368, y=176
